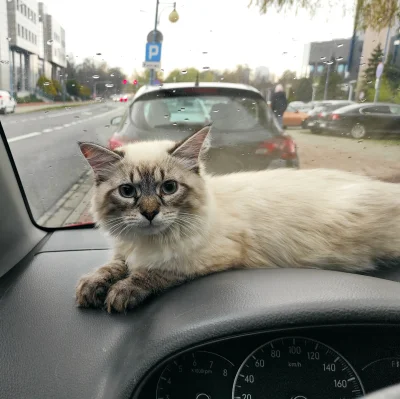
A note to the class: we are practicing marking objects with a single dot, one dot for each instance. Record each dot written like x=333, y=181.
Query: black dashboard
x=245, y=334
x=321, y=362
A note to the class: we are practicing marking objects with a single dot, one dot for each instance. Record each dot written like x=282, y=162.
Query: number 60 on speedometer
x=296, y=368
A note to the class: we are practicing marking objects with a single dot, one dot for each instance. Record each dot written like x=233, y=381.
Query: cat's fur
x=280, y=218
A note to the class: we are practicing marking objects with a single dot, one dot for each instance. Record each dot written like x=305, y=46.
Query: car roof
x=364, y=105
x=186, y=85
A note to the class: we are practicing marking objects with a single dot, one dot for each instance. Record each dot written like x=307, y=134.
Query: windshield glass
x=266, y=74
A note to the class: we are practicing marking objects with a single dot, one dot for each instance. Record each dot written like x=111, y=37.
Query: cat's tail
x=389, y=175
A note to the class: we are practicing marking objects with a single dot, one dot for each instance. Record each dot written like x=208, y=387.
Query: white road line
x=25, y=136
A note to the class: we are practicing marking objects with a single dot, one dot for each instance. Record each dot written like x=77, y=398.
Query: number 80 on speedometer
x=296, y=368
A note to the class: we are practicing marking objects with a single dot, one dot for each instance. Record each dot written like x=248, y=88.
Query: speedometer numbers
x=296, y=368
x=198, y=375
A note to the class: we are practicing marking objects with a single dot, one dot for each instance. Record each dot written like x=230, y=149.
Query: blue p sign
x=153, y=52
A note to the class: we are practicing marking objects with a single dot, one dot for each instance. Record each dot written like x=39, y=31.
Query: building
x=23, y=44
x=345, y=52
x=34, y=45
x=4, y=48
x=373, y=39
x=54, y=58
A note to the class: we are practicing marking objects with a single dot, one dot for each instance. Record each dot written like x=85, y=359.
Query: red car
x=245, y=135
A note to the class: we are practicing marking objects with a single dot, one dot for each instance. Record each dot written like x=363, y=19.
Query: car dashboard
x=248, y=334
x=344, y=361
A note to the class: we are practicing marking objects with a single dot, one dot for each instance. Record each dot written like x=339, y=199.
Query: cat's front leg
x=132, y=290
x=92, y=288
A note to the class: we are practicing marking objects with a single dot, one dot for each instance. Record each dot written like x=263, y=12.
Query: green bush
x=28, y=99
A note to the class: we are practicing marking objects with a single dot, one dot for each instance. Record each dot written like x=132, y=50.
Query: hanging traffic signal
x=124, y=82
x=135, y=82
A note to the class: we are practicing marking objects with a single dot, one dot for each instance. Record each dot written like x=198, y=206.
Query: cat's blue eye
x=169, y=187
x=127, y=190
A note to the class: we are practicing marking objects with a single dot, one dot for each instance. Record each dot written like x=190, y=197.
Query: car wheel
x=13, y=110
x=3, y=111
x=358, y=131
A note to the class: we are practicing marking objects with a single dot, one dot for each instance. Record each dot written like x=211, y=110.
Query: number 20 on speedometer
x=296, y=368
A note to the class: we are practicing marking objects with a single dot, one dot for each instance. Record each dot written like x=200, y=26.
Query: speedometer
x=296, y=368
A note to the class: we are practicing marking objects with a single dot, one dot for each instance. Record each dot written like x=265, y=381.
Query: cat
x=171, y=221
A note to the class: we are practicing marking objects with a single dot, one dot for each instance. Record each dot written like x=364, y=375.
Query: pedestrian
x=279, y=103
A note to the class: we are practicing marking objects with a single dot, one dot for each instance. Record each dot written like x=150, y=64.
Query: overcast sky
x=227, y=30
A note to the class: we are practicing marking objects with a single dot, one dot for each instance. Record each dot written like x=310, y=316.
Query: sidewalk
x=32, y=107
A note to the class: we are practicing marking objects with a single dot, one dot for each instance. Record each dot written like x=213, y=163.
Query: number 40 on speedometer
x=296, y=368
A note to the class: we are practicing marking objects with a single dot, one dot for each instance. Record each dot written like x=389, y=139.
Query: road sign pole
x=152, y=71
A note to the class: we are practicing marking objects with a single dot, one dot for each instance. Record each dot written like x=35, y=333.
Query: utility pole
x=327, y=79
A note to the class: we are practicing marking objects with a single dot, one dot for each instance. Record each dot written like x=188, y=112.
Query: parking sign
x=153, y=52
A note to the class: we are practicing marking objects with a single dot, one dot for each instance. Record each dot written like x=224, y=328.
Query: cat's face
x=149, y=188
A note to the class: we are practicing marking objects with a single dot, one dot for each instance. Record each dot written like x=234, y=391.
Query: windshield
x=283, y=83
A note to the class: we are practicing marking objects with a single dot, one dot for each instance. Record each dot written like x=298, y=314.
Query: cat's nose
x=150, y=215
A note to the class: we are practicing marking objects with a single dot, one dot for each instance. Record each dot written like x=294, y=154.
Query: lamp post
x=173, y=17
x=351, y=89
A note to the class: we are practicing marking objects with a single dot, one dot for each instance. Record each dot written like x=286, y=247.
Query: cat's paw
x=91, y=290
x=123, y=295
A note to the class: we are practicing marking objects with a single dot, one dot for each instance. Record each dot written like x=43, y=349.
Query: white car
x=7, y=102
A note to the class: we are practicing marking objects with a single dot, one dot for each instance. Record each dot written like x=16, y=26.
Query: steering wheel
x=392, y=392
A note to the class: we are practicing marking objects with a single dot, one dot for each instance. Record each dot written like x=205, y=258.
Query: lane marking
x=29, y=135
x=23, y=137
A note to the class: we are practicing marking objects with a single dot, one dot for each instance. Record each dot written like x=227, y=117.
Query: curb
x=71, y=206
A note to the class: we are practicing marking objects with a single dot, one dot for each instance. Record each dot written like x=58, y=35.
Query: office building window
x=320, y=68
x=18, y=5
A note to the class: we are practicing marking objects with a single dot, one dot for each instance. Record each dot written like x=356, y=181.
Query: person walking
x=279, y=103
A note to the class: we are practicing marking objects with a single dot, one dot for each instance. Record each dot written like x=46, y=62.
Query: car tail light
x=285, y=147
x=335, y=117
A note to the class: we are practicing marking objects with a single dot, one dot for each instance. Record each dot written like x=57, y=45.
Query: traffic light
x=124, y=82
x=135, y=82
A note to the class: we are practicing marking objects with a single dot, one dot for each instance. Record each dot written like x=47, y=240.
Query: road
x=44, y=147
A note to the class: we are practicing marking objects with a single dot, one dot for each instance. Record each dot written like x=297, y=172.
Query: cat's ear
x=100, y=158
x=193, y=148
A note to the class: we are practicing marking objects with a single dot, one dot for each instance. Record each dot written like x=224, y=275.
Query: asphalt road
x=44, y=147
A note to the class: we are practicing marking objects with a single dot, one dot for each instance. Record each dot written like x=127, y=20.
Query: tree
x=373, y=61
x=72, y=86
x=287, y=78
x=185, y=75
x=376, y=14
x=334, y=84
x=46, y=85
x=392, y=74
x=302, y=89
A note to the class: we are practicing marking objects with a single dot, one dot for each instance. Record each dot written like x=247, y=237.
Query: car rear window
x=227, y=110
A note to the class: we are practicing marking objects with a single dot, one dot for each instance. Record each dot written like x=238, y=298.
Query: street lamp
x=173, y=17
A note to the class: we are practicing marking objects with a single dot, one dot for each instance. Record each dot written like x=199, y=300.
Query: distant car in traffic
x=7, y=102
x=245, y=134
x=362, y=120
x=295, y=116
x=321, y=113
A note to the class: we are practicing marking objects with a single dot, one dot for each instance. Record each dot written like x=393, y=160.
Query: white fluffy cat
x=171, y=221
